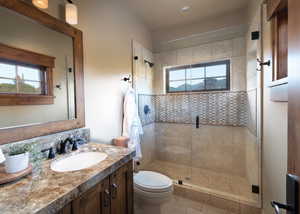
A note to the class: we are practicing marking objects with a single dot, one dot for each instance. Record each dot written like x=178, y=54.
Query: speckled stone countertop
x=46, y=191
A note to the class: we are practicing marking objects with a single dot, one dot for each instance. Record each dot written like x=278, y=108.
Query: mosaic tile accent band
x=213, y=108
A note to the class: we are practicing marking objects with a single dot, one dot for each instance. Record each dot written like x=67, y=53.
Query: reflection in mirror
x=18, y=79
x=36, y=64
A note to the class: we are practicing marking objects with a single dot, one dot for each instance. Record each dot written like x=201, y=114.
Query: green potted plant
x=17, y=158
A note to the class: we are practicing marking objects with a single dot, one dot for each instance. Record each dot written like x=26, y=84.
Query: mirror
x=31, y=80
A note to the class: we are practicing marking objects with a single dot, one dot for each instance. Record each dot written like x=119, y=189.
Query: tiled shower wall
x=216, y=148
x=223, y=143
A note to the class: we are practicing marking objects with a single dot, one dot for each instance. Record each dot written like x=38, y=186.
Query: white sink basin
x=78, y=161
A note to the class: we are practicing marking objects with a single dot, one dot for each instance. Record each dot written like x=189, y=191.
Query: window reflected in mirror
x=34, y=59
x=18, y=79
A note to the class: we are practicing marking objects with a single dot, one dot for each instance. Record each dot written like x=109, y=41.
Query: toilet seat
x=152, y=182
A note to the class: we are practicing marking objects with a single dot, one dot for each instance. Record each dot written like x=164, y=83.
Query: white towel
x=132, y=126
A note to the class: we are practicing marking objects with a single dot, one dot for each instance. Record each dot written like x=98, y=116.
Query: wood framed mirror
x=41, y=95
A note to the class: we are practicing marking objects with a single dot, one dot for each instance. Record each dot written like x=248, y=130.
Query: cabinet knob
x=106, y=198
x=114, y=191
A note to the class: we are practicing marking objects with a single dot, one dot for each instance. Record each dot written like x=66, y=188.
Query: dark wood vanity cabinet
x=113, y=195
x=122, y=190
x=94, y=201
x=66, y=210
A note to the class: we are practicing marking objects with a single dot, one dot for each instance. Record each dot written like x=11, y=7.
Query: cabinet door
x=66, y=210
x=105, y=197
x=122, y=190
x=94, y=201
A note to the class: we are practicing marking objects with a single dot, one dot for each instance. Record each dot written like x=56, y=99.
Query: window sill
x=279, y=90
x=200, y=92
x=278, y=82
x=24, y=99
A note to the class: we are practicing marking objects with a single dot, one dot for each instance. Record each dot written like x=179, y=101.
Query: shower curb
x=233, y=206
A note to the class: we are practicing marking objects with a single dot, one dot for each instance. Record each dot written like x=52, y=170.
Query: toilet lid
x=152, y=181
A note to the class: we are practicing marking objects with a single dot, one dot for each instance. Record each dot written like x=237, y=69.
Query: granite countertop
x=46, y=191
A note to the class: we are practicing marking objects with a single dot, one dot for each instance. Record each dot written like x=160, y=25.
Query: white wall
x=108, y=30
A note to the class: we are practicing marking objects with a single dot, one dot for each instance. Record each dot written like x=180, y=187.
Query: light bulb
x=71, y=14
x=43, y=4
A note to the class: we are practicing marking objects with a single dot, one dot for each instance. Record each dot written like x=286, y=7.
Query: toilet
x=151, y=191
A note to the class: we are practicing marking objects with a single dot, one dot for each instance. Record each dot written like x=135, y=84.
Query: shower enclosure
x=206, y=141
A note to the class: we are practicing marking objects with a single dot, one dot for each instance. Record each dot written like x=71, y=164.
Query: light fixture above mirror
x=43, y=4
x=71, y=13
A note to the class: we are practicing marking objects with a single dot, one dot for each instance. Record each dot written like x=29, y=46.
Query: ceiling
x=159, y=14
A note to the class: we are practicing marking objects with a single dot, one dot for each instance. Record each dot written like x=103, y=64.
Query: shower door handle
x=292, y=196
x=197, y=122
x=278, y=206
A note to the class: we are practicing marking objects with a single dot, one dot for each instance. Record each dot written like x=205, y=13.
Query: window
x=280, y=44
x=25, y=77
x=21, y=79
x=199, y=77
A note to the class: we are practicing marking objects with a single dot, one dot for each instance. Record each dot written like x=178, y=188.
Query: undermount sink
x=78, y=161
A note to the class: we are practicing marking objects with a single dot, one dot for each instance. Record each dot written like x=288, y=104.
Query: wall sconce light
x=71, y=13
x=43, y=4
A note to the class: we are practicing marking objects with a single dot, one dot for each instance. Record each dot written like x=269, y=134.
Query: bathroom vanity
x=104, y=188
x=52, y=102
x=111, y=195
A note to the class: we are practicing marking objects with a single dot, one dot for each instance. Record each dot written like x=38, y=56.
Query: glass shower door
x=201, y=153
x=173, y=136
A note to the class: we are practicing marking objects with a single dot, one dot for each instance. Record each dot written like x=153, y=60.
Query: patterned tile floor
x=228, y=186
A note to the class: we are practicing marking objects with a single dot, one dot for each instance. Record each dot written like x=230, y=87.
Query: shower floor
x=219, y=184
